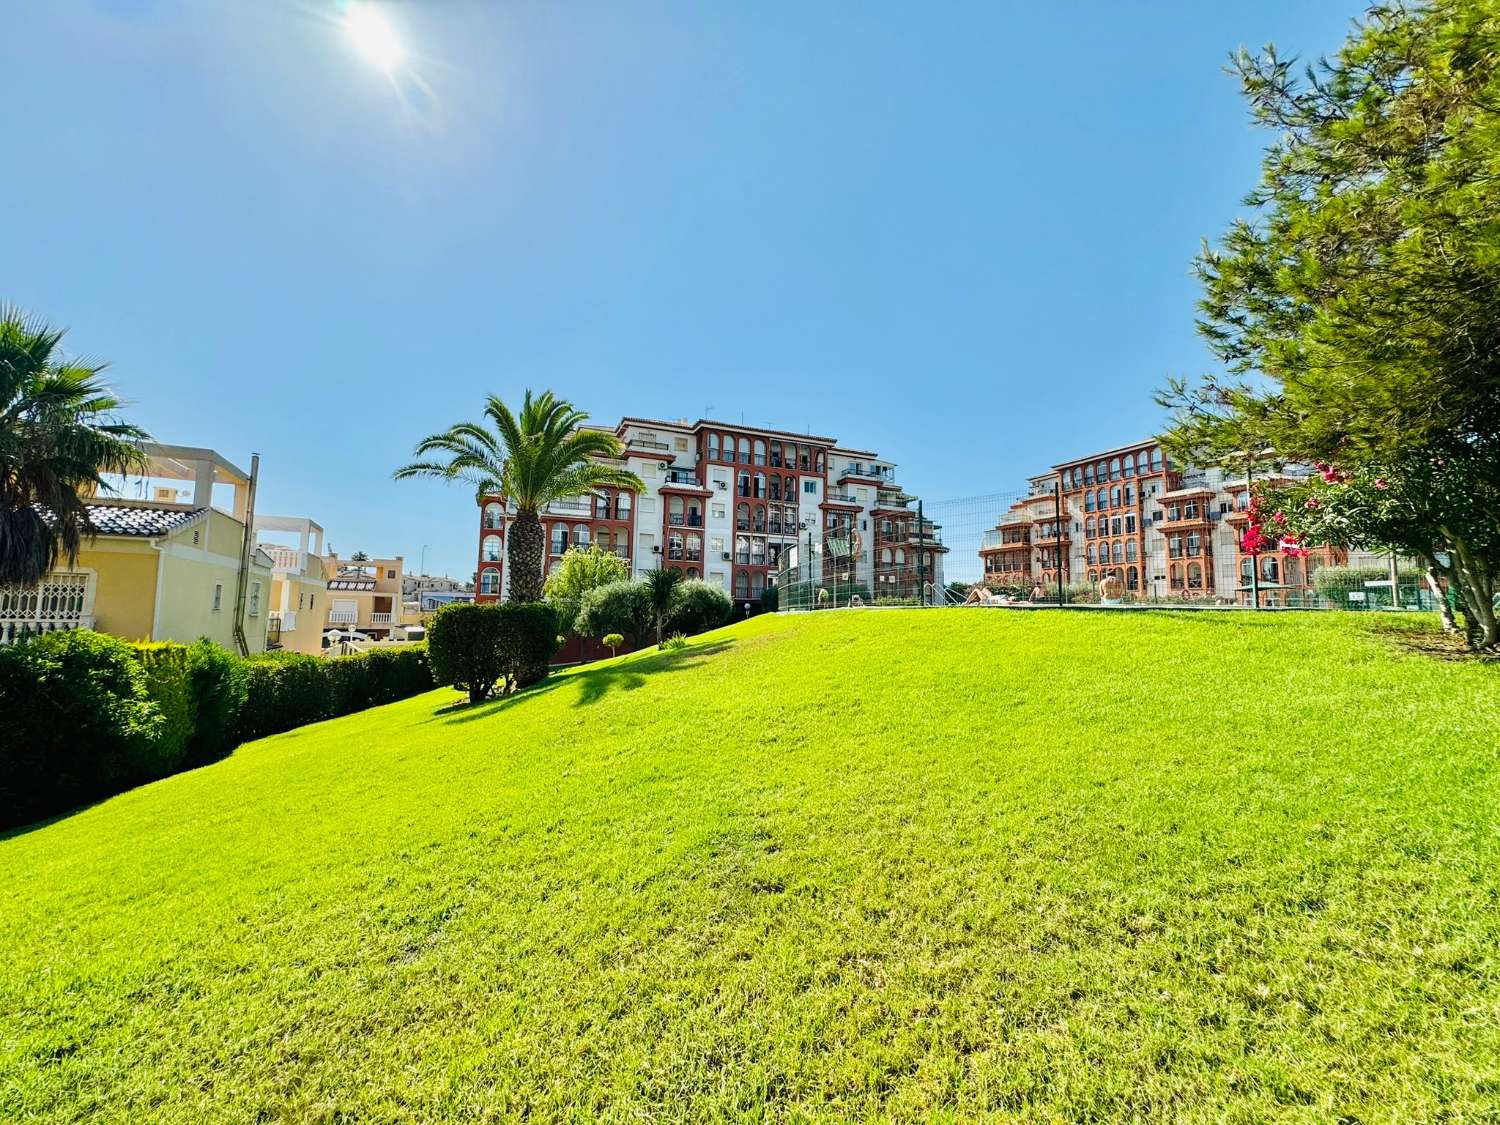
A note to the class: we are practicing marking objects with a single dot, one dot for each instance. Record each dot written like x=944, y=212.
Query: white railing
x=59, y=602
x=569, y=508
x=285, y=558
x=286, y=622
x=380, y=619
x=343, y=617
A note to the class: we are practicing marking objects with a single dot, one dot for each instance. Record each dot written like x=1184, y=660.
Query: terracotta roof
x=143, y=520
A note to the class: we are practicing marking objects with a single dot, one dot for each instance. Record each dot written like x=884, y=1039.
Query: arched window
x=1246, y=571
x=776, y=454
x=1088, y=501
x=1101, y=499
x=493, y=515
x=489, y=581
x=804, y=458
x=789, y=488
x=602, y=538
x=559, y=538
x=1270, y=569
x=1132, y=578
x=1129, y=466
x=622, y=505
x=885, y=557
x=744, y=451
x=675, y=513
x=1174, y=576
x=581, y=535
x=491, y=549
x=1114, y=497
x=1114, y=469
x=1088, y=528
x=758, y=518
x=1195, y=544
x=742, y=517
x=1129, y=494
x=713, y=446
x=692, y=572
x=1092, y=556
x=900, y=557
x=601, y=505
x=1130, y=550
x=695, y=547
x=1293, y=572
x=1156, y=460
x=674, y=547
x=694, y=514
x=1088, y=474
x=757, y=584
x=775, y=487
x=760, y=486
x=760, y=452
x=1195, y=576
x=1117, y=552
x=744, y=484
x=728, y=448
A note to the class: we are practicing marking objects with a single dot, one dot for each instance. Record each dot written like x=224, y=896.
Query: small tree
x=662, y=593
x=701, y=606
x=583, y=569
x=619, y=607
x=463, y=643
x=612, y=641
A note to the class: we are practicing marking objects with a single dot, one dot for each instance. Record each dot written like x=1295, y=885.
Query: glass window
x=760, y=485
x=1088, y=501
x=559, y=538
x=489, y=581
x=744, y=484
x=760, y=452
x=493, y=514
x=491, y=551
x=744, y=451
x=1088, y=474
x=622, y=506
x=1114, y=469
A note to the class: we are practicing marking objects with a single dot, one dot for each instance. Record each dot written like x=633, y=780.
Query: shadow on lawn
x=593, y=684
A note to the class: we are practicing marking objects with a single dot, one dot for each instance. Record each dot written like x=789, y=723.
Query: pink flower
x=1312, y=503
x=1381, y=483
x=1330, y=476
x=1279, y=517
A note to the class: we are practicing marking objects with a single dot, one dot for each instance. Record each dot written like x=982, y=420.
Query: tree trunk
x=1445, y=611
x=658, y=630
x=523, y=550
x=1476, y=589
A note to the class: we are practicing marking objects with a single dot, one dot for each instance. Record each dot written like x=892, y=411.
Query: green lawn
x=851, y=865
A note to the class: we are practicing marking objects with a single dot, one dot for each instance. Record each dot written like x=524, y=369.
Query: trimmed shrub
x=79, y=723
x=481, y=647
x=620, y=607
x=612, y=641
x=219, y=683
x=169, y=685
x=282, y=691
x=700, y=607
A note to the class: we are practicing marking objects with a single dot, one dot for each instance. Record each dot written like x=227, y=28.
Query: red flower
x=1381, y=483
x=1279, y=517
x=1312, y=503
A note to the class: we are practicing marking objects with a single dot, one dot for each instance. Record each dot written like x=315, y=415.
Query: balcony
x=574, y=507
x=287, y=560
x=684, y=477
x=380, y=619
x=284, y=622
x=842, y=498
x=58, y=603
x=868, y=472
x=691, y=519
x=343, y=617
x=644, y=443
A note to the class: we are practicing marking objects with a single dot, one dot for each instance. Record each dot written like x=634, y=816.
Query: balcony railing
x=57, y=603
x=691, y=519
x=380, y=619
x=842, y=498
x=284, y=622
x=569, y=508
x=683, y=476
x=285, y=558
x=343, y=617
x=644, y=443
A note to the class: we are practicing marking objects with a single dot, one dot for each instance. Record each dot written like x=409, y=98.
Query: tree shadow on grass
x=593, y=683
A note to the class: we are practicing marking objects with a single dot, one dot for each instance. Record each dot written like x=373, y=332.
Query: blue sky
x=958, y=234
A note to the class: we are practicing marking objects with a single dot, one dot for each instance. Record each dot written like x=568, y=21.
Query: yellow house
x=364, y=597
x=299, y=585
x=177, y=566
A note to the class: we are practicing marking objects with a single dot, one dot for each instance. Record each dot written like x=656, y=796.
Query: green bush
x=219, y=684
x=169, y=685
x=700, y=607
x=612, y=641
x=620, y=607
x=282, y=691
x=79, y=723
x=481, y=647
x=567, y=613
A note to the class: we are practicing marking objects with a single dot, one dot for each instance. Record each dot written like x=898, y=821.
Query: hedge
x=88, y=715
x=482, y=647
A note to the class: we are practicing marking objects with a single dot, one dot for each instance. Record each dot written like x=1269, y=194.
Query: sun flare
x=373, y=36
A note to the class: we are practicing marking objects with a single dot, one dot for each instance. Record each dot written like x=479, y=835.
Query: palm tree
x=60, y=434
x=661, y=596
x=541, y=456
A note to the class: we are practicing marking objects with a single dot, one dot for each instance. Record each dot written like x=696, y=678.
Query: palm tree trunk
x=523, y=551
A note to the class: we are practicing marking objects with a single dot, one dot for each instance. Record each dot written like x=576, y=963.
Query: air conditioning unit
x=721, y=485
x=726, y=556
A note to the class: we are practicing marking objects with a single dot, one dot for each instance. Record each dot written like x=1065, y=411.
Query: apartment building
x=364, y=596
x=1165, y=531
x=725, y=502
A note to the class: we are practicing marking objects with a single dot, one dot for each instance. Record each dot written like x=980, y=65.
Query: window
x=728, y=448
x=680, y=444
x=675, y=515
x=492, y=516
x=1117, y=552
x=760, y=452
x=218, y=596
x=1088, y=528
x=255, y=599
x=789, y=488
x=1114, y=526
x=775, y=487
x=602, y=539
x=390, y=574
x=559, y=538
x=1129, y=525
x=716, y=546
x=1088, y=501
x=674, y=546
x=1156, y=460
x=744, y=451
x=1195, y=576
x=1114, y=497
x=810, y=486
x=1114, y=469
x=713, y=447
x=1101, y=499
x=491, y=551
x=744, y=484
x=741, y=584
x=742, y=518
x=1194, y=544
x=1129, y=469
x=1130, y=494
x=718, y=511
x=622, y=506
x=489, y=581
x=1132, y=578
x=581, y=535
x=776, y=454
x=1092, y=557
x=760, y=486
x=695, y=548
x=1088, y=474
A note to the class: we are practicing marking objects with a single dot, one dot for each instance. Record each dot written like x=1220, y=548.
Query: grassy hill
x=902, y=864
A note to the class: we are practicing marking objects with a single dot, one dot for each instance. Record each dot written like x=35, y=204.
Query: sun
x=373, y=36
